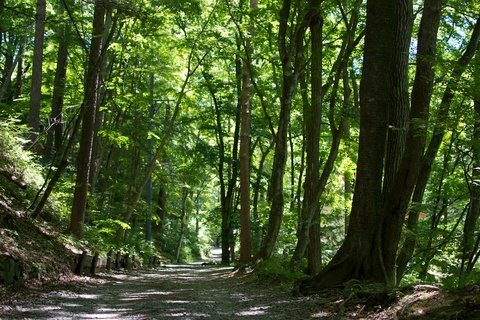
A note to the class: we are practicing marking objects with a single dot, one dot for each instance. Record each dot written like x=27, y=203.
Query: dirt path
x=196, y=292
x=175, y=292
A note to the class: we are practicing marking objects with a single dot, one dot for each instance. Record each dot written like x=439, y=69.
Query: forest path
x=173, y=292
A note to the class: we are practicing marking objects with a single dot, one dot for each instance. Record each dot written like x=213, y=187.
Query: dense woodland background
x=266, y=128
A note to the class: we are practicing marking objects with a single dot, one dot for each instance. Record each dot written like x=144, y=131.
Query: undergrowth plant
x=276, y=270
x=17, y=160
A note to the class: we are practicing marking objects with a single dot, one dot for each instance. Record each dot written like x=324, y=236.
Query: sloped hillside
x=32, y=255
x=30, y=251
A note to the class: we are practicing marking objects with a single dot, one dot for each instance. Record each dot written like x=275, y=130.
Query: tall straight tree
x=89, y=111
x=421, y=96
x=36, y=87
x=228, y=178
x=366, y=251
x=294, y=21
x=54, y=135
x=434, y=145
x=20, y=69
x=315, y=184
x=245, y=233
x=312, y=113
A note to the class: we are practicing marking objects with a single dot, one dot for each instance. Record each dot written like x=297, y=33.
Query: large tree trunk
x=36, y=87
x=399, y=102
x=355, y=258
x=404, y=171
x=314, y=252
x=100, y=143
x=88, y=124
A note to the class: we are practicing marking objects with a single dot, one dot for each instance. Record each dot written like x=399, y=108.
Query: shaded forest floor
x=214, y=292
x=194, y=291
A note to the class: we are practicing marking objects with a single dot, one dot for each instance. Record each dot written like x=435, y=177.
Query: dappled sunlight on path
x=176, y=292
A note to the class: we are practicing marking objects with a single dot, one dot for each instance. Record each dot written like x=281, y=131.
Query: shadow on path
x=179, y=292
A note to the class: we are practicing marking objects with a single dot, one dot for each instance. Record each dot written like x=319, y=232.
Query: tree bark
x=227, y=181
x=245, y=232
x=421, y=95
x=183, y=225
x=20, y=70
x=312, y=114
x=355, y=258
x=399, y=103
x=36, y=88
x=470, y=238
x=88, y=123
x=404, y=171
x=291, y=47
x=55, y=132
x=314, y=249
x=433, y=147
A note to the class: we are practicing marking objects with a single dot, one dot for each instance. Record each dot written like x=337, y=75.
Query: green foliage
x=17, y=160
x=275, y=270
x=58, y=206
x=287, y=237
x=15, y=150
x=153, y=45
x=471, y=279
x=101, y=234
